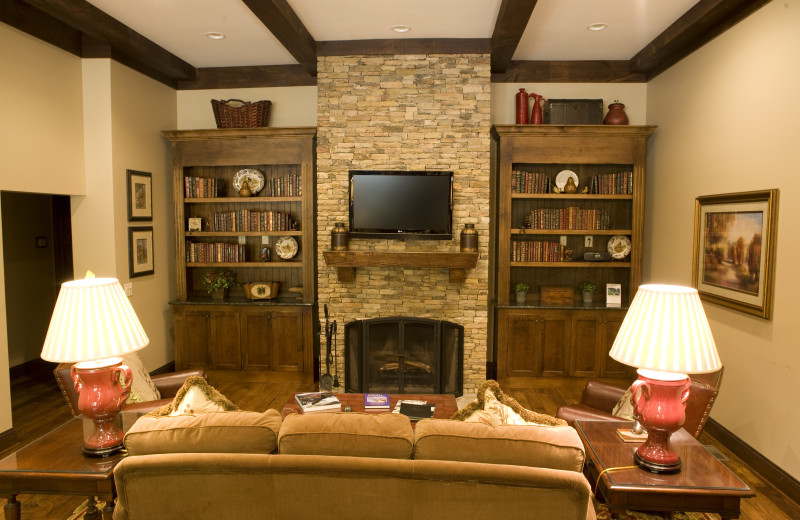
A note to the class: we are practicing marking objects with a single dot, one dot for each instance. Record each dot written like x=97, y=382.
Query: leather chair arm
x=601, y=396
x=169, y=384
x=571, y=412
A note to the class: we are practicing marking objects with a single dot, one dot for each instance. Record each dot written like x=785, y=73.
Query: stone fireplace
x=407, y=112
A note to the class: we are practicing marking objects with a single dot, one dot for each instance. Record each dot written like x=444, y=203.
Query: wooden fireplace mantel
x=346, y=262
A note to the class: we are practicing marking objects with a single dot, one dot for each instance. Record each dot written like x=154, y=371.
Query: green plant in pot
x=587, y=290
x=521, y=291
x=217, y=283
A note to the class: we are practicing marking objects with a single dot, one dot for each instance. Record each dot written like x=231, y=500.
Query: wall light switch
x=128, y=289
x=563, y=240
x=588, y=241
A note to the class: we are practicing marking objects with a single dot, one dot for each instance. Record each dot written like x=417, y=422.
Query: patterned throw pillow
x=142, y=388
x=624, y=407
x=195, y=397
x=495, y=408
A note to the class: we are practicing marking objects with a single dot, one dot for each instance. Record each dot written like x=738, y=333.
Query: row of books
x=248, y=220
x=195, y=187
x=216, y=252
x=288, y=186
x=568, y=218
x=536, y=251
x=612, y=184
x=530, y=182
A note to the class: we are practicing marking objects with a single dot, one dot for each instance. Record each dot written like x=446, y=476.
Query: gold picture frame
x=735, y=237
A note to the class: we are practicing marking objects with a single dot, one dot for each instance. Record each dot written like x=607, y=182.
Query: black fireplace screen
x=404, y=356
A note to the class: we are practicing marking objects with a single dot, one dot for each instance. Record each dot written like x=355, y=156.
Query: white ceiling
x=556, y=31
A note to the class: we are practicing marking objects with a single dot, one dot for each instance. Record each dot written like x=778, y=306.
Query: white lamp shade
x=92, y=320
x=666, y=329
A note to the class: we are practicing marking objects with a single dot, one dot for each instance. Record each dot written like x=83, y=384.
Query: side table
x=704, y=484
x=55, y=464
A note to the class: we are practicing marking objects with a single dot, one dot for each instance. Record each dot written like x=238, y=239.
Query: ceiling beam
x=404, y=46
x=30, y=20
x=512, y=20
x=283, y=23
x=93, y=22
x=706, y=20
x=569, y=72
x=249, y=77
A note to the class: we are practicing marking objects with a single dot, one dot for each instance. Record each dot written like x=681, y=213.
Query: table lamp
x=93, y=323
x=665, y=334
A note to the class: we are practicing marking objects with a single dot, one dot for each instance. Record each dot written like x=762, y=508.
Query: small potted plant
x=521, y=291
x=587, y=290
x=217, y=283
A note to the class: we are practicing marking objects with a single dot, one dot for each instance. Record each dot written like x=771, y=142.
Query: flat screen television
x=401, y=204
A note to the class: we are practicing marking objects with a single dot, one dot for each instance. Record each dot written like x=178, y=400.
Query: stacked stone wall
x=408, y=112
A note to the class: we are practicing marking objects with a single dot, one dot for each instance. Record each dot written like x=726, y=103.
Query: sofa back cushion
x=554, y=447
x=215, y=432
x=385, y=435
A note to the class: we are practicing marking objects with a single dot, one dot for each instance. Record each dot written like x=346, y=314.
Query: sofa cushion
x=142, y=387
x=554, y=447
x=195, y=397
x=384, y=435
x=228, y=432
x=493, y=407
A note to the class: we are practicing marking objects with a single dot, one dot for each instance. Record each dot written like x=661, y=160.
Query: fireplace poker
x=335, y=362
x=325, y=382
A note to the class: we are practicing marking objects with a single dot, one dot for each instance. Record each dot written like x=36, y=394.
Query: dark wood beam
x=512, y=19
x=569, y=72
x=283, y=23
x=126, y=42
x=249, y=77
x=404, y=46
x=30, y=20
x=706, y=20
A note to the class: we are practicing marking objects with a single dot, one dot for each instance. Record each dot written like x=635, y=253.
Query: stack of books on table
x=317, y=401
x=376, y=401
x=414, y=409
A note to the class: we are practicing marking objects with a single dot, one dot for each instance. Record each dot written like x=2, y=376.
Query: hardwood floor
x=38, y=408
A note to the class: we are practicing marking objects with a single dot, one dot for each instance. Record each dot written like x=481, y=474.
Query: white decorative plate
x=563, y=175
x=619, y=246
x=254, y=179
x=286, y=247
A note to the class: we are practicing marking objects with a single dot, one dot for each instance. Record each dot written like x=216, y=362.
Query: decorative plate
x=254, y=179
x=563, y=175
x=286, y=247
x=619, y=246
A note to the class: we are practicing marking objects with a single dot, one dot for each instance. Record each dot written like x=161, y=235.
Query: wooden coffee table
x=704, y=484
x=55, y=465
x=445, y=404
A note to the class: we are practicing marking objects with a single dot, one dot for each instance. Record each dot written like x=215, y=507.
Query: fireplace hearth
x=404, y=355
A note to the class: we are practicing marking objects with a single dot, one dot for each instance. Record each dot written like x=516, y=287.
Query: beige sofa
x=348, y=466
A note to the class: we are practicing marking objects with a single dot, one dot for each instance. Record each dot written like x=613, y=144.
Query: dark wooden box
x=557, y=295
x=573, y=112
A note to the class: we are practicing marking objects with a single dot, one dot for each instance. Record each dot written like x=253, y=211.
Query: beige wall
x=291, y=106
x=727, y=122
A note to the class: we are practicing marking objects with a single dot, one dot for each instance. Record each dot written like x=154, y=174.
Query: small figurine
x=570, y=186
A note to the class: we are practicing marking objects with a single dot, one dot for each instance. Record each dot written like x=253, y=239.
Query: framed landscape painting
x=140, y=196
x=735, y=236
x=140, y=251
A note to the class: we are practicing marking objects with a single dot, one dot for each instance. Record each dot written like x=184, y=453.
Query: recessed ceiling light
x=401, y=28
x=215, y=35
x=597, y=27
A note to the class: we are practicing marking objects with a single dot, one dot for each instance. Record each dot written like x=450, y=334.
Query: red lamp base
x=100, y=397
x=659, y=399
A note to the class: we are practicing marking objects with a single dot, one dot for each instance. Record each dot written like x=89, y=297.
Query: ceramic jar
x=616, y=115
x=469, y=239
x=339, y=237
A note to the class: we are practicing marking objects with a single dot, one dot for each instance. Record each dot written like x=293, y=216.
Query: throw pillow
x=195, y=397
x=142, y=387
x=495, y=408
x=624, y=407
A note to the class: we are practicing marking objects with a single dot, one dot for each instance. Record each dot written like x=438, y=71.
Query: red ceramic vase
x=100, y=396
x=616, y=115
x=522, y=107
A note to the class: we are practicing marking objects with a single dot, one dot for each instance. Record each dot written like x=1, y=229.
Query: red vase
x=100, y=396
x=522, y=107
x=616, y=115
x=536, y=111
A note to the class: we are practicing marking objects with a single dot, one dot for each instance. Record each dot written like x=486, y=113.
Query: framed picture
x=613, y=295
x=140, y=251
x=140, y=193
x=195, y=224
x=734, y=250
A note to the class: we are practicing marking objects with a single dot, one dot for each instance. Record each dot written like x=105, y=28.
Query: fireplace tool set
x=326, y=382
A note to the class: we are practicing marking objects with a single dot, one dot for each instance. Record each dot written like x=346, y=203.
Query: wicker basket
x=235, y=113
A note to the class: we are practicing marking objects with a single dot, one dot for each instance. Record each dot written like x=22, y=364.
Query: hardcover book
x=416, y=412
x=376, y=401
x=627, y=435
x=317, y=401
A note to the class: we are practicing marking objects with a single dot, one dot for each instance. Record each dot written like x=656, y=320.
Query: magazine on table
x=414, y=408
x=376, y=401
x=318, y=401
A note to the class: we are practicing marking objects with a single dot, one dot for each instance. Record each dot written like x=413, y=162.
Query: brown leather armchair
x=167, y=384
x=598, y=399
